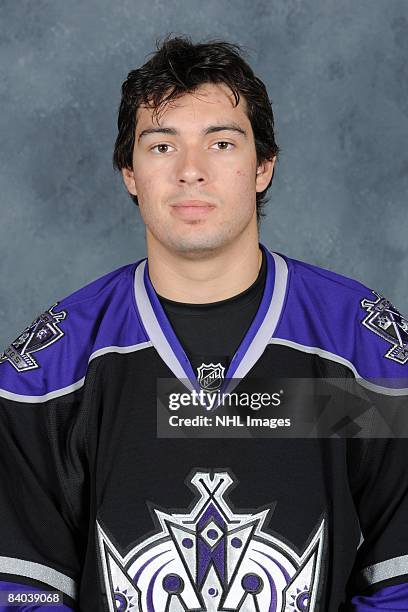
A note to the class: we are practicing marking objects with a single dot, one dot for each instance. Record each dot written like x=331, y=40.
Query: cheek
x=243, y=176
x=147, y=177
x=151, y=196
x=147, y=186
x=243, y=181
x=246, y=171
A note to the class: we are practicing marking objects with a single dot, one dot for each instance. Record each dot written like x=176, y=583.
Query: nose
x=191, y=169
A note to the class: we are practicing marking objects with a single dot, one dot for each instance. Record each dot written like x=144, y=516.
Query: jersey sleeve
x=379, y=474
x=379, y=579
x=43, y=474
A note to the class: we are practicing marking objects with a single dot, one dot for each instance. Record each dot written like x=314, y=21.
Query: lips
x=192, y=209
x=193, y=203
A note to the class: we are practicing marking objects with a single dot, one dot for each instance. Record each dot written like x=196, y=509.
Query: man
x=108, y=497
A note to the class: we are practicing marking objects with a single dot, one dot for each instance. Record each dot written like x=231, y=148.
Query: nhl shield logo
x=384, y=320
x=212, y=558
x=42, y=332
x=210, y=376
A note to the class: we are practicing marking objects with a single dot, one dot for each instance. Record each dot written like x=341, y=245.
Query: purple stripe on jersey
x=243, y=349
x=100, y=315
x=393, y=598
x=170, y=336
x=10, y=589
x=265, y=321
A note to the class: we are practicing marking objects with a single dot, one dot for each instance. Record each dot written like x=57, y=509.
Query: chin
x=197, y=244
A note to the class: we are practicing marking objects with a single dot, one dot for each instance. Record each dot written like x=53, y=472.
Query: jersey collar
x=261, y=330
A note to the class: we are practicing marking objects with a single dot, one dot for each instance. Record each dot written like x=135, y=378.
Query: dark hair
x=178, y=67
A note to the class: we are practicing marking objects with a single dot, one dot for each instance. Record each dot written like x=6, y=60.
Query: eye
x=224, y=142
x=160, y=145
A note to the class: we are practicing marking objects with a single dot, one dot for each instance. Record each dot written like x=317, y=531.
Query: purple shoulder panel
x=394, y=597
x=53, y=352
x=341, y=316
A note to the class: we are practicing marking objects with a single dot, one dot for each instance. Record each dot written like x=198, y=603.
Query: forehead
x=208, y=102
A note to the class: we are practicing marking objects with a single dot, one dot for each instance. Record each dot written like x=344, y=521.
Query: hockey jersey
x=99, y=507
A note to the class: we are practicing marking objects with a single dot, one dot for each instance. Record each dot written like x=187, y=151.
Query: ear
x=129, y=180
x=264, y=173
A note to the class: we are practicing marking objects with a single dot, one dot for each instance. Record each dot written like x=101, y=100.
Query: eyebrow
x=211, y=129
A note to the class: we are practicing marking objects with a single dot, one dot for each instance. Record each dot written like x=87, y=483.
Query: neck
x=212, y=277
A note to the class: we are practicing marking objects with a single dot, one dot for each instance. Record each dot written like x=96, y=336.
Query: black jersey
x=95, y=504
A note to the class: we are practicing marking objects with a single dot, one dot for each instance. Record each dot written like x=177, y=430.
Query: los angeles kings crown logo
x=212, y=559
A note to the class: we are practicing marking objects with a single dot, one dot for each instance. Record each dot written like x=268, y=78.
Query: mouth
x=189, y=209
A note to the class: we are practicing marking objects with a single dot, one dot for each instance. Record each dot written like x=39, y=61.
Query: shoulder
x=51, y=355
x=343, y=318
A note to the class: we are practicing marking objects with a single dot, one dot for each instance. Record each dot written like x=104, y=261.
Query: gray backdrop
x=337, y=74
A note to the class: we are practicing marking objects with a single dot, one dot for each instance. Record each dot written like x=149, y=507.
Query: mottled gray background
x=337, y=74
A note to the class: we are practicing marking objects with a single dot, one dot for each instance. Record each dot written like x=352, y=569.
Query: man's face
x=195, y=173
